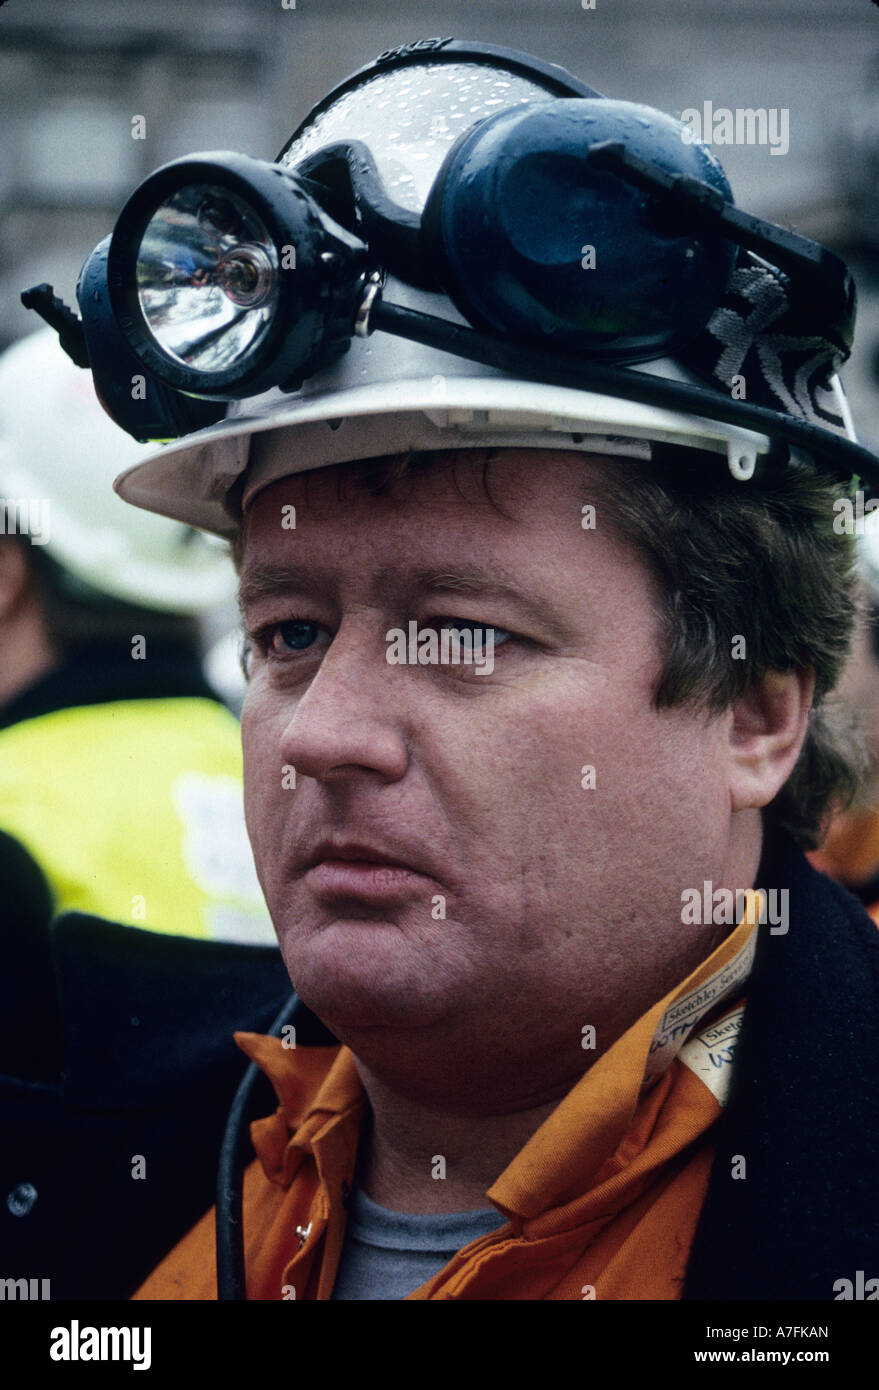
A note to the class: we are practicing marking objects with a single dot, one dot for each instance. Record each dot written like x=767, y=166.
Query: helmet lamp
x=227, y=277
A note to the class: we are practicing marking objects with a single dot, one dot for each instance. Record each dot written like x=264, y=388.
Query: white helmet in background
x=59, y=454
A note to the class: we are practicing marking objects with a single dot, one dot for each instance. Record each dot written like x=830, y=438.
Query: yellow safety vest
x=133, y=810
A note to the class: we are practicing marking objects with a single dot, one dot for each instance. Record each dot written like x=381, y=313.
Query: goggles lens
x=207, y=277
x=408, y=117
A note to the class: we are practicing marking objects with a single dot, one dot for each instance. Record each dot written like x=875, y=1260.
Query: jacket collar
x=319, y=1089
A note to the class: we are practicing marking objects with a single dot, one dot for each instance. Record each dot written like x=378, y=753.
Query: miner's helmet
x=459, y=246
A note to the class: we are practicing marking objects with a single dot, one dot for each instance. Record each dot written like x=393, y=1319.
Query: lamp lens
x=207, y=277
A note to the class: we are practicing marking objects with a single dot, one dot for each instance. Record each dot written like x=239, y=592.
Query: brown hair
x=758, y=561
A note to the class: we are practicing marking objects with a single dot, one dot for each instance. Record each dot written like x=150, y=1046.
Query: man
x=536, y=715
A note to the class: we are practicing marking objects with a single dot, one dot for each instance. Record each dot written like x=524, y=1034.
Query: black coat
x=803, y=1109
x=117, y=1070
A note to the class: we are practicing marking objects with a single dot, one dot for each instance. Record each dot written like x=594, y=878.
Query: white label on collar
x=683, y=1016
x=711, y=1054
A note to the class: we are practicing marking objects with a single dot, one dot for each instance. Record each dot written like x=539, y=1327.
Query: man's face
x=448, y=861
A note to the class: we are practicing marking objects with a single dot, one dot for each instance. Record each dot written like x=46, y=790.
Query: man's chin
x=356, y=975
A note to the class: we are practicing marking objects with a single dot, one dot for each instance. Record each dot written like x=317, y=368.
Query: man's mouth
x=336, y=870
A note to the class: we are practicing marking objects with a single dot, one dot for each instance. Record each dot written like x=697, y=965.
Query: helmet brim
x=208, y=478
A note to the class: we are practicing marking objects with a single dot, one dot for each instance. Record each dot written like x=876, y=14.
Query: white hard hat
x=387, y=394
x=59, y=453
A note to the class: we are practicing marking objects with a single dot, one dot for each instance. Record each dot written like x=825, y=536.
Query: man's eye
x=285, y=639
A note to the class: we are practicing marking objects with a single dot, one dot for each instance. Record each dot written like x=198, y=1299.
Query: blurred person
x=850, y=852
x=134, y=935
x=602, y=1030
x=119, y=766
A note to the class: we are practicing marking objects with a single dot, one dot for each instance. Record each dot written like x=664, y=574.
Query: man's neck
x=420, y=1160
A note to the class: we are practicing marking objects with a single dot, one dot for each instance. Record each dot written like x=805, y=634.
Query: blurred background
x=242, y=73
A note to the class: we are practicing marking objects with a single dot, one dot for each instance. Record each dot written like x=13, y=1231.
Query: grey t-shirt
x=387, y=1254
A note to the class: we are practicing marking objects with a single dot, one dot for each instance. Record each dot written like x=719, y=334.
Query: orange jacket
x=601, y=1202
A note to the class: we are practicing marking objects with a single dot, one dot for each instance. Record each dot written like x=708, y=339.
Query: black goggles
x=575, y=236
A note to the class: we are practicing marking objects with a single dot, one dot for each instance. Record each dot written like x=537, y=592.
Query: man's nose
x=353, y=714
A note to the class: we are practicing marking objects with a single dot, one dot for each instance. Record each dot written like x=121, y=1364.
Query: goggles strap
x=756, y=345
x=835, y=451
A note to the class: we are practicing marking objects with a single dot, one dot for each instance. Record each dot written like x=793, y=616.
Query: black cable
x=837, y=452
x=231, y=1275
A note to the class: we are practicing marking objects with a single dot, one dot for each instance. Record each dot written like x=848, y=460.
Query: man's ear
x=769, y=724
